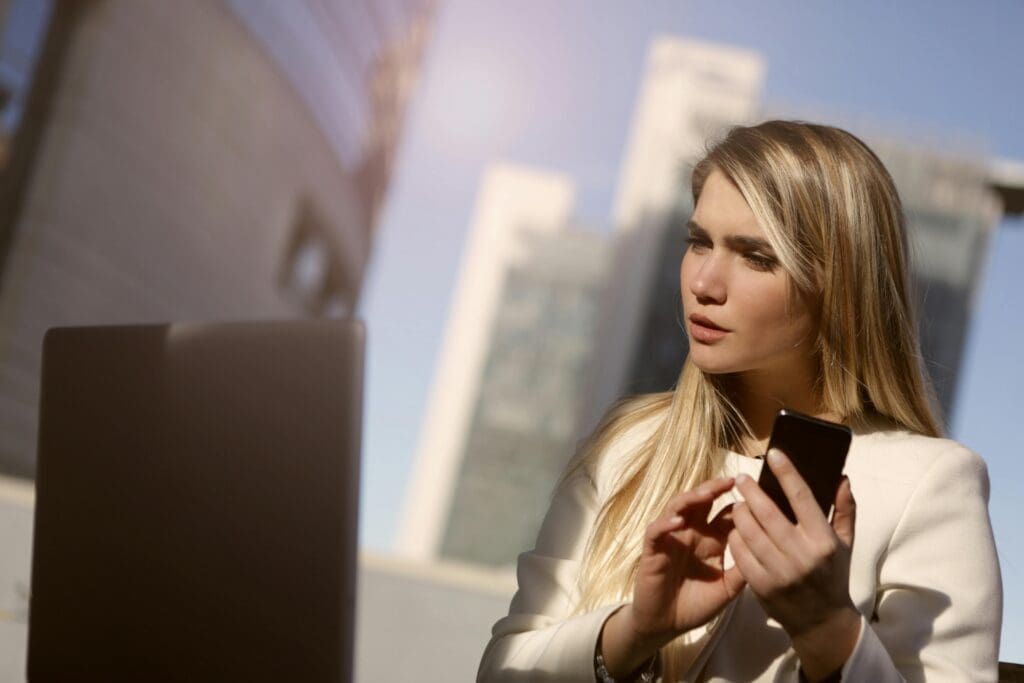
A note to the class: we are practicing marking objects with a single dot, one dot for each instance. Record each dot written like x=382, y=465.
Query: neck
x=759, y=395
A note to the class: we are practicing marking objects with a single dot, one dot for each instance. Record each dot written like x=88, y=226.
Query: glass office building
x=512, y=376
x=525, y=422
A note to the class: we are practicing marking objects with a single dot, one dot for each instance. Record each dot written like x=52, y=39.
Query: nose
x=707, y=281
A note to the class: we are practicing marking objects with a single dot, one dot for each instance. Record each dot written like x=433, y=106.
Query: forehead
x=722, y=209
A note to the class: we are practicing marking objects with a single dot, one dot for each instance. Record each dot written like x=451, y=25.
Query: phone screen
x=817, y=449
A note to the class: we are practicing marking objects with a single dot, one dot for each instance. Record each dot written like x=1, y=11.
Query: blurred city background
x=499, y=190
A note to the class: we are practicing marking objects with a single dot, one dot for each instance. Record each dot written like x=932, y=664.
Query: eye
x=697, y=243
x=761, y=261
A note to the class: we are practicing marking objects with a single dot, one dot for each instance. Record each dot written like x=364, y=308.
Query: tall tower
x=952, y=212
x=483, y=452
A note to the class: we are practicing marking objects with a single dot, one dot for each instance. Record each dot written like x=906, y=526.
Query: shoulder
x=907, y=460
x=922, y=514
x=906, y=481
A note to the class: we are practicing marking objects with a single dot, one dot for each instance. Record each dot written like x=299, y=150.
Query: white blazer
x=924, y=575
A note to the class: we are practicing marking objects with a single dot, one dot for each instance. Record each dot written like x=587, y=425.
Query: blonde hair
x=832, y=215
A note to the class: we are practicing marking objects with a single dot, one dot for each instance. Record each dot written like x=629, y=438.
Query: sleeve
x=938, y=606
x=539, y=640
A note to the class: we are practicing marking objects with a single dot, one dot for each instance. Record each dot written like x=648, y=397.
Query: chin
x=711, y=363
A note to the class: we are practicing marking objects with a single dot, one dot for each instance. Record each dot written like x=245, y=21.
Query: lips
x=705, y=330
x=706, y=322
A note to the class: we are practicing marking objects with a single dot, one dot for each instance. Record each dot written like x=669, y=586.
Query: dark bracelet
x=604, y=676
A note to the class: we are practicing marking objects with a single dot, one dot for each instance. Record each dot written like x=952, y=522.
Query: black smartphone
x=817, y=448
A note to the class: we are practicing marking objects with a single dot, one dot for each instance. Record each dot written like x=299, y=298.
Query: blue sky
x=553, y=85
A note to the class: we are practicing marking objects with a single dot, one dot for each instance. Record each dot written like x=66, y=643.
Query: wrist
x=623, y=645
x=645, y=639
x=824, y=649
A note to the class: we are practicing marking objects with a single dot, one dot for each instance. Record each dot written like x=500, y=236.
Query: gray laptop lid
x=196, y=503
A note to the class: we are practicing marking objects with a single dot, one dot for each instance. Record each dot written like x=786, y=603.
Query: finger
x=781, y=532
x=757, y=541
x=752, y=571
x=687, y=506
x=845, y=514
x=700, y=497
x=661, y=526
x=808, y=513
x=710, y=489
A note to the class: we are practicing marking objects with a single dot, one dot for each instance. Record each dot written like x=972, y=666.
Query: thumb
x=846, y=512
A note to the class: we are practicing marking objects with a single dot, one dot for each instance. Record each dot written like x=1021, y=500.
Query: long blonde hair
x=832, y=215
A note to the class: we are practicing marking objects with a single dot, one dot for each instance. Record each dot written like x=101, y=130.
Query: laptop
x=196, y=503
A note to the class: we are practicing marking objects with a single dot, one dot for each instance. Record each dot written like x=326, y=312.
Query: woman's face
x=739, y=314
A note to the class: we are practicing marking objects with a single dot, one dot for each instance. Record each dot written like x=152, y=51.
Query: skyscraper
x=502, y=417
x=952, y=212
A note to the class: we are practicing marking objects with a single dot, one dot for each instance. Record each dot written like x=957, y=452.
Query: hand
x=800, y=573
x=681, y=582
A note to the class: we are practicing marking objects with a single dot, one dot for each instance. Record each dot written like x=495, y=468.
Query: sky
x=553, y=85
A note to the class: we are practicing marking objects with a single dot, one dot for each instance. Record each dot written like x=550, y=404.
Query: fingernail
x=678, y=519
x=740, y=478
x=775, y=456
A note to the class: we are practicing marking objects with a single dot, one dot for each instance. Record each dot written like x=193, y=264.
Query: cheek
x=766, y=306
x=784, y=323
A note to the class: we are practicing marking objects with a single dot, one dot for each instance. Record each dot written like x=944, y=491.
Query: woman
x=660, y=555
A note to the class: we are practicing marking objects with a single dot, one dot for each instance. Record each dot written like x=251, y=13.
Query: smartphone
x=817, y=448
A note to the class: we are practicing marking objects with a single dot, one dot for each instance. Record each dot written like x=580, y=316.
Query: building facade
x=526, y=418
x=503, y=414
x=952, y=211
x=192, y=160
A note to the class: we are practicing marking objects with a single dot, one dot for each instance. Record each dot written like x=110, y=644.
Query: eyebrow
x=733, y=241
